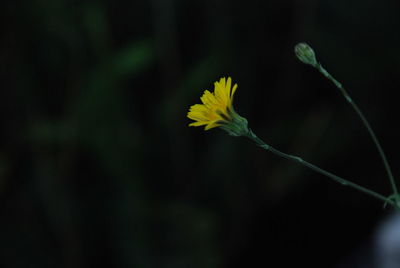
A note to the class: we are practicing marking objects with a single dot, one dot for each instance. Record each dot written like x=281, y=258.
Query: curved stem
x=299, y=160
x=346, y=95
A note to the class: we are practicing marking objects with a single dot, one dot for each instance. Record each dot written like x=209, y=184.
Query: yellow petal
x=233, y=90
x=220, y=94
x=198, y=114
x=198, y=117
x=209, y=99
x=196, y=124
x=222, y=82
x=198, y=108
x=232, y=93
x=212, y=125
x=228, y=87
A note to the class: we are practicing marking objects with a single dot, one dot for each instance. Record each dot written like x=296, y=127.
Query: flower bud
x=305, y=54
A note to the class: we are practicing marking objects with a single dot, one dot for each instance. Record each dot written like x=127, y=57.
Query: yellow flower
x=217, y=110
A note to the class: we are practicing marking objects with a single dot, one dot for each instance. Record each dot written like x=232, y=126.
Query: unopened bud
x=305, y=54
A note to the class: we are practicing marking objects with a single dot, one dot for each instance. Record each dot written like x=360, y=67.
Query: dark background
x=99, y=168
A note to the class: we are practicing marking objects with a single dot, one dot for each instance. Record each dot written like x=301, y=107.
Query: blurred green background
x=99, y=168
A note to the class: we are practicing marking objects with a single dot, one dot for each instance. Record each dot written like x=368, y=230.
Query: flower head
x=305, y=54
x=217, y=109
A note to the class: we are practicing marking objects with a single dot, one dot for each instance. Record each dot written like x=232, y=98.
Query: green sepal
x=237, y=126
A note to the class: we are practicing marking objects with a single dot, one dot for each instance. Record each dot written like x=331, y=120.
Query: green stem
x=299, y=160
x=346, y=95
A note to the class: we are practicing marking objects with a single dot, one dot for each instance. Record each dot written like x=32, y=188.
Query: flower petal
x=196, y=124
x=220, y=93
x=228, y=87
x=212, y=125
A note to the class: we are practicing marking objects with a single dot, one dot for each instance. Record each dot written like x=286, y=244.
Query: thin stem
x=346, y=95
x=299, y=160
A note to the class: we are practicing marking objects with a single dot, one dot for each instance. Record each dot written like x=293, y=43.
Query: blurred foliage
x=99, y=168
